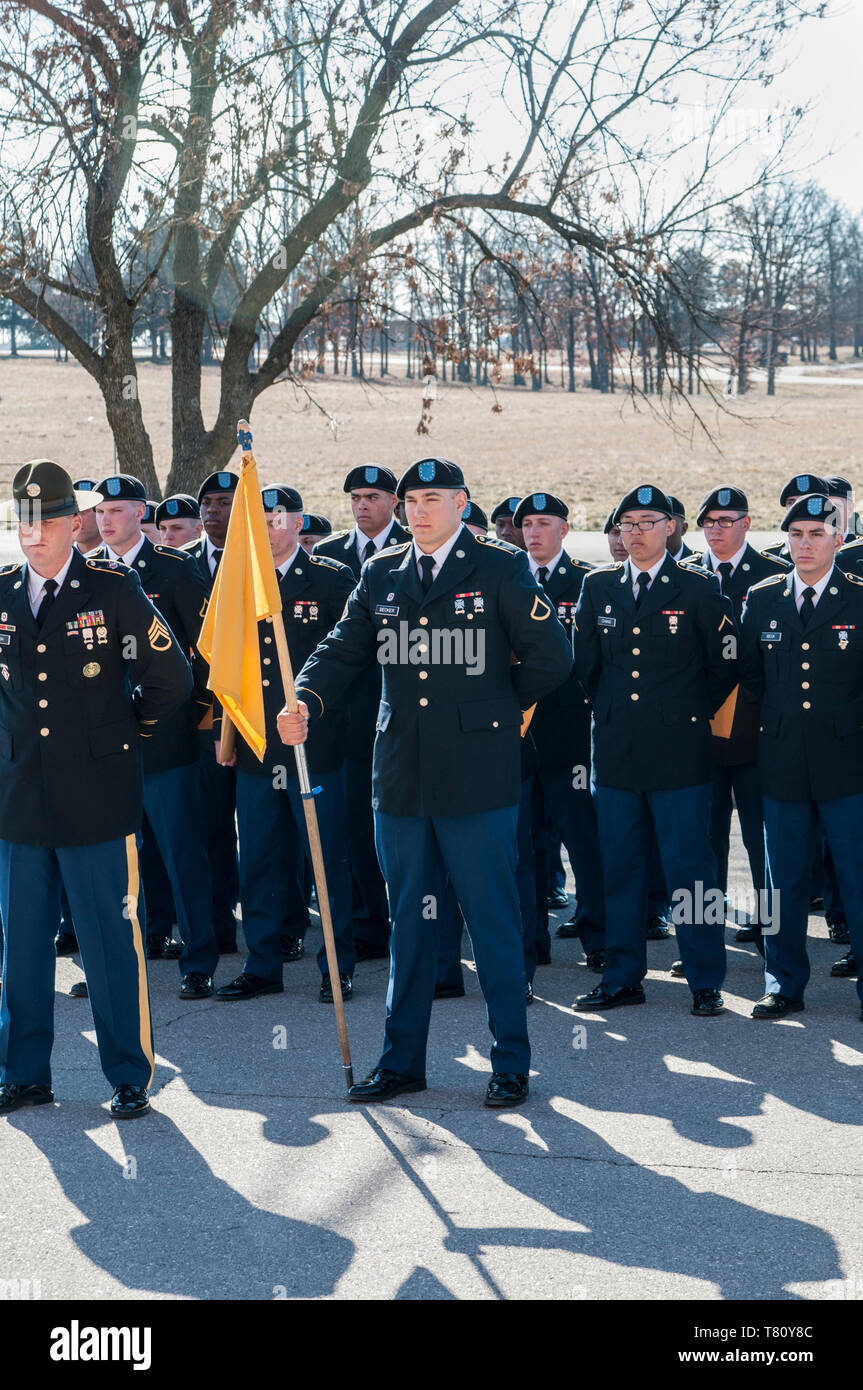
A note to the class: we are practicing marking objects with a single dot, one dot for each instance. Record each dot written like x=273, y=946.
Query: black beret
x=149, y=517
x=316, y=525
x=505, y=508
x=474, y=515
x=539, y=504
x=644, y=498
x=43, y=490
x=218, y=482
x=180, y=505
x=814, y=507
x=677, y=507
x=431, y=472
x=86, y=485
x=802, y=485
x=839, y=487
x=122, y=487
x=281, y=499
x=609, y=522
x=731, y=499
x=371, y=475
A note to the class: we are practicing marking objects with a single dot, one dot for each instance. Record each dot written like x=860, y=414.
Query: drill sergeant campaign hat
x=431, y=472
x=180, y=505
x=281, y=499
x=643, y=498
x=122, y=487
x=370, y=475
x=473, y=515
x=42, y=490
x=505, y=508
x=815, y=507
x=539, y=504
x=801, y=485
x=219, y=482
x=723, y=499
x=316, y=525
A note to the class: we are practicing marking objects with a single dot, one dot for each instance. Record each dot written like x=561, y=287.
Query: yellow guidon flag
x=245, y=591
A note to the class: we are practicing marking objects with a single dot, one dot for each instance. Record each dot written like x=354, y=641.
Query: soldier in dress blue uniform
x=88, y=536
x=802, y=661
x=560, y=727
x=178, y=519
x=270, y=818
x=675, y=545
x=801, y=485
x=502, y=521
x=173, y=803
x=475, y=519
x=215, y=500
x=148, y=521
x=651, y=651
x=725, y=520
x=444, y=616
x=372, y=492
x=316, y=528
x=87, y=670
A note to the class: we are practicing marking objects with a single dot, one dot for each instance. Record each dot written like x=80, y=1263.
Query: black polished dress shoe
x=173, y=949
x=777, y=1006
x=568, y=930
x=595, y=961
x=326, y=994
x=79, y=990
x=196, y=985
x=657, y=928
x=707, y=1003
x=557, y=898
x=65, y=943
x=838, y=932
x=247, y=986
x=528, y=993
x=676, y=969
x=506, y=1088
x=816, y=904
x=12, y=1097
x=292, y=948
x=380, y=1084
x=846, y=967
x=604, y=998
x=129, y=1102
x=368, y=950
x=156, y=947
x=449, y=991
x=744, y=934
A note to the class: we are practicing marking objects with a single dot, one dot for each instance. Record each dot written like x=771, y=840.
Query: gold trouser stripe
x=132, y=889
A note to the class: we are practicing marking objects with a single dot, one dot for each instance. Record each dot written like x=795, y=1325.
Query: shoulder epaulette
x=699, y=572
x=695, y=558
x=499, y=544
x=581, y=564
x=172, y=550
x=609, y=567
x=12, y=569
x=855, y=578
x=776, y=559
x=104, y=566
x=188, y=545
x=335, y=536
x=851, y=545
x=328, y=562
x=771, y=579
x=389, y=551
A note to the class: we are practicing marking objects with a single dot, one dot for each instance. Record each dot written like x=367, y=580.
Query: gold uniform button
x=633, y=697
x=44, y=732
x=423, y=701
x=804, y=685
x=265, y=682
x=125, y=747
x=804, y=666
x=636, y=631
x=43, y=704
x=424, y=675
x=41, y=647
x=43, y=675
x=635, y=674
x=423, y=622
x=804, y=646
x=636, y=651
x=266, y=661
x=495, y=724
x=268, y=639
x=695, y=718
x=806, y=704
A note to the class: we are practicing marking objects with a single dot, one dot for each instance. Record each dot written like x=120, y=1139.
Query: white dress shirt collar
x=439, y=555
x=715, y=561
x=653, y=572
x=800, y=585
x=378, y=541
x=550, y=565
x=36, y=584
x=283, y=568
x=130, y=556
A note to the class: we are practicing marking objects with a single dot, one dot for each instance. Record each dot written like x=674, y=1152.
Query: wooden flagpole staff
x=244, y=434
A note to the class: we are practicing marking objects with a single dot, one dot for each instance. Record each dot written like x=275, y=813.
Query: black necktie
x=725, y=571
x=368, y=550
x=217, y=557
x=47, y=603
x=542, y=575
x=642, y=581
x=426, y=565
x=807, y=607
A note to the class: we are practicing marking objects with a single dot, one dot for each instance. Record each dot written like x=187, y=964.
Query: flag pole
x=244, y=434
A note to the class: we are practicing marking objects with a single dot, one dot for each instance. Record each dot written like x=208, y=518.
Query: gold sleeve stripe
x=307, y=691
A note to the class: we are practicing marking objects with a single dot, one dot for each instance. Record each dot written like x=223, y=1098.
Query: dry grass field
x=586, y=447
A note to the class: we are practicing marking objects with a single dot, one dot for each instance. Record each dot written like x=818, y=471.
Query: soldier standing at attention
x=650, y=650
x=71, y=722
x=463, y=605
